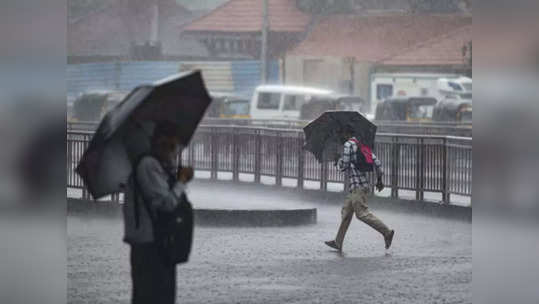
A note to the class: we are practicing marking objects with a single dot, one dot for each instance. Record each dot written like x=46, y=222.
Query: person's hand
x=185, y=174
x=379, y=185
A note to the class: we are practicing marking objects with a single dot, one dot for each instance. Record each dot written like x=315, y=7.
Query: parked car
x=92, y=106
x=453, y=110
x=415, y=109
x=227, y=105
x=320, y=104
x=282, y=102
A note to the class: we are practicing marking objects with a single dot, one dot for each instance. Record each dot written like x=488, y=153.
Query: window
x=455, y=86
x=383, y=91
x=466, y=96
x=269, y=101
x=293, y=102
x=421, y=111
x=236, y=108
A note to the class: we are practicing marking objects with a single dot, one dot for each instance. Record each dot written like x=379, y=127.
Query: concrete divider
x=207, y=217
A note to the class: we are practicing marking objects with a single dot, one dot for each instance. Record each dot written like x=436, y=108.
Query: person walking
x=154, y=186
x=356, y=161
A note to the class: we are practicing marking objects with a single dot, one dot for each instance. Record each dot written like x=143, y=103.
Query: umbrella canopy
x=323, y=135
x=125, y=131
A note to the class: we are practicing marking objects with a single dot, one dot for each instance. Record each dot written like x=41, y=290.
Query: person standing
x=154, y=186
x=356, y=201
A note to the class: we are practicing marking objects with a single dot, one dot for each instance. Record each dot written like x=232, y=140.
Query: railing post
x=85, y=194
x=420, y=170
x=214, y=154
x=445, y=172
x=190, y=156
x=395, y=164
x=324, y=176
x=258, y=156
x=279, y=160
x=69, y=157
x=235, y=156
x=301, y=162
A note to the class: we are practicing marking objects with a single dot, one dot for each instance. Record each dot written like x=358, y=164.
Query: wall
x=334, y=73
x=239, y=77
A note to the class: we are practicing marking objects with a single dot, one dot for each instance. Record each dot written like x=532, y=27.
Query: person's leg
x=363, y=214
x=347, y=213
x=142, y=274
x=167, y=289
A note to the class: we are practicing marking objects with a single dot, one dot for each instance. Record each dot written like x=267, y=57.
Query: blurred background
x=53, y=54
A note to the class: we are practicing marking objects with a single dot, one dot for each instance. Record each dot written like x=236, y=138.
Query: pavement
x=430, y=260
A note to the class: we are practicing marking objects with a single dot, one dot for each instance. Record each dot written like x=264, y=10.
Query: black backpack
x=172, y=231
x=364, y=161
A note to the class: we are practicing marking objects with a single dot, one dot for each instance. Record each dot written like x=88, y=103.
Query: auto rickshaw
x=318, y=105
x=453, y=110
x=226, y=105
x=413, y=109
x=92, y=106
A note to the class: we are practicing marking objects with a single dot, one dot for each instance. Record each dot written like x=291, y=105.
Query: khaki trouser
x=356, y=202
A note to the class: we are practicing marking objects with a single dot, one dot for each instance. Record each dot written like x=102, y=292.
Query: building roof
x=373, y=38
x=445, y=49
x=247, y=16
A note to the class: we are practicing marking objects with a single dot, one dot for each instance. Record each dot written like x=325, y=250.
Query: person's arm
x=379, y=173
x=377, y=166
x=153, y=183
x=344, y=162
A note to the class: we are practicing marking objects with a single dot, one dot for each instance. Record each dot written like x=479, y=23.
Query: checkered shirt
x=357, y=179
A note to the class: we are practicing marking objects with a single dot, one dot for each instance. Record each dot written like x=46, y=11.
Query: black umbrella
x=323, y=135
x=124, y=133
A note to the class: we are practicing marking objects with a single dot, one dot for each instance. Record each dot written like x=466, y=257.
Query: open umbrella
x=323, y=135
x=125, y=131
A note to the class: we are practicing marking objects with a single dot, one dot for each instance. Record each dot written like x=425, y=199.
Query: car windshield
x=236, y=107
x=420, y=111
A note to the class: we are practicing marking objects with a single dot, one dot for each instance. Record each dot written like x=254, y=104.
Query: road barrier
x=420, y=163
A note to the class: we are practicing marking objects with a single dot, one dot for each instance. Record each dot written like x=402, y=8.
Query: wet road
x=430, y=261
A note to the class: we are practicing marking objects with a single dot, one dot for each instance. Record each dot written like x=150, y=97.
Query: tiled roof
x=246, y=16
x=443, y=50
x=373, y=38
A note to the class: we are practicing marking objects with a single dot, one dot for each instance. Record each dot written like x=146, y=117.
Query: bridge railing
x=424, y=128
x=420, y=163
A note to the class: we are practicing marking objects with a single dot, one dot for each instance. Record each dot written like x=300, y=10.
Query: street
x=430, y=260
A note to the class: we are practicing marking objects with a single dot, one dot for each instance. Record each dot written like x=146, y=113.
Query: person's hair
x=165, y=129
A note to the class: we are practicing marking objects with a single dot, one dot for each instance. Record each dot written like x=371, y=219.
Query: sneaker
x=333, y=245
x=389, y=238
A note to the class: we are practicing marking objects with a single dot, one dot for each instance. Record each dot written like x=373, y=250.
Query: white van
x=402, y=85
x=282, y=102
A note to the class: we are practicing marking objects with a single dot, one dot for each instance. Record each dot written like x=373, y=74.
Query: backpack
x=363, y=160
x=172, y=231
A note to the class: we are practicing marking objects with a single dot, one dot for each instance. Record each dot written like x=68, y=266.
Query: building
x=132, y=30
x=340, y=52
x=234, y=29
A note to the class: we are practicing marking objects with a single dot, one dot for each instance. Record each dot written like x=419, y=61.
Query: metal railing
x=423, y=128
x=420, y=163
